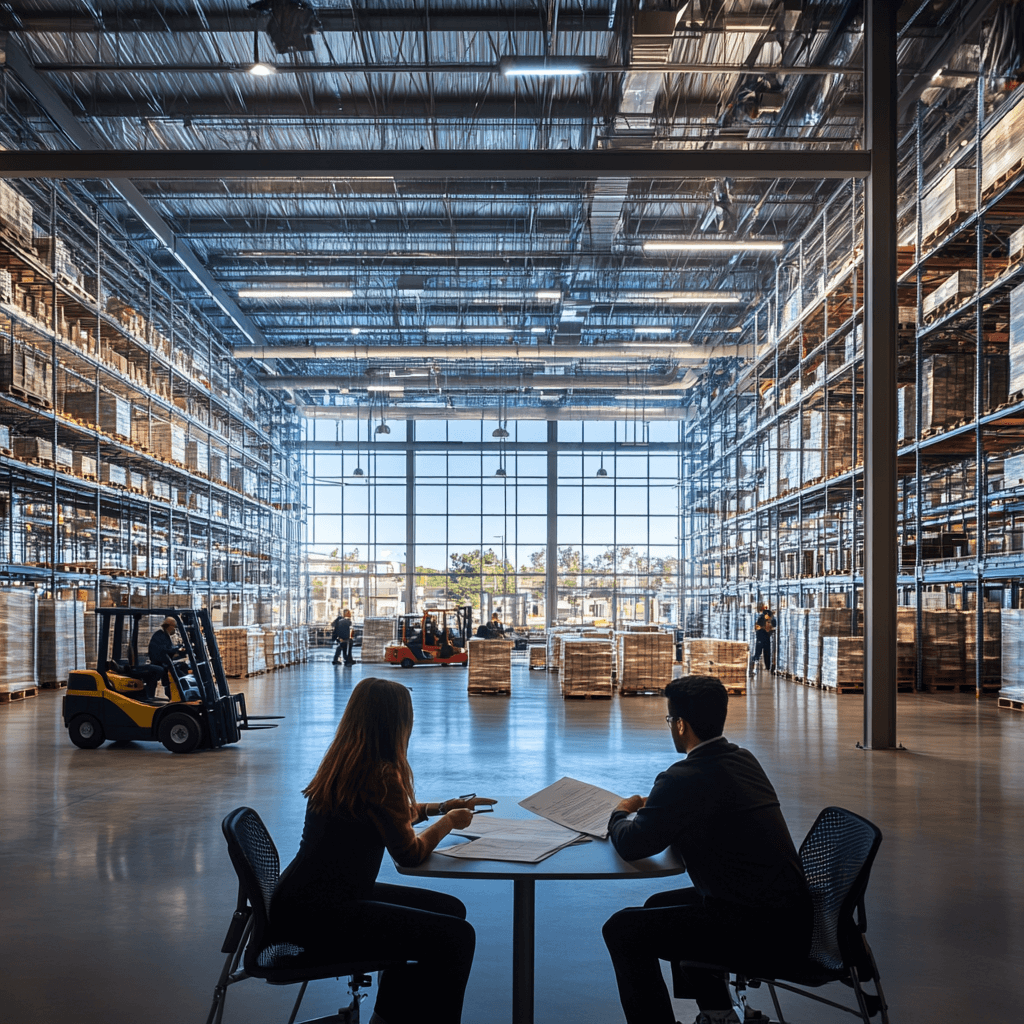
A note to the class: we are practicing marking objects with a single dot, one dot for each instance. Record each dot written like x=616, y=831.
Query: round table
x=591, y=861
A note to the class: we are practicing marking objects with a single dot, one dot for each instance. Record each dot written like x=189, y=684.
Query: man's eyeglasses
x=672, y=718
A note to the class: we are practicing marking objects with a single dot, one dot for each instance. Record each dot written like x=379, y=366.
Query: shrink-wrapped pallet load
x=644, y=662
x=108, y=413
x=242, y=651
x=842, y=664
x=723, y=659
x=538, y=656
x=490, y=665
x=950, y=295
x=951, y=198
x=554, y=642
x=17, y=641
x=991, y=654
x=61, y=640
x=1002, y=151
x=943, y=649
x=1016, y=344
x=586, y=667
x=1012, y=625
x=947, y=389
x=378, y=633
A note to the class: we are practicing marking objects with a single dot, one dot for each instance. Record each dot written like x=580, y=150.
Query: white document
x=576, y=805
x=517, y=849
x=518, y=828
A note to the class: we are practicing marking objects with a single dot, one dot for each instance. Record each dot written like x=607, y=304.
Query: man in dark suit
x=342, y=636
x=749, y=902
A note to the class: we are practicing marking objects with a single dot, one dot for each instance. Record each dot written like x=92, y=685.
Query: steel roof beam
x=421, y=164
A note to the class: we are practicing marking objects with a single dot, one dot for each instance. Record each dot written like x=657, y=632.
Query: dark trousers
x=682, y=925
x=763, y=646
x=399, y=923
x=344, y=651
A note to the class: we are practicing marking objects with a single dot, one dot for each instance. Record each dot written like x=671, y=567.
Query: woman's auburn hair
x=367, y=753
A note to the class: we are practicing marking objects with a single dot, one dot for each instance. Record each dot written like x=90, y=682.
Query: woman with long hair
x=361, y=801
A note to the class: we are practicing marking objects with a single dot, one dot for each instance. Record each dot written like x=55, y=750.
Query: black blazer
x=719, y=812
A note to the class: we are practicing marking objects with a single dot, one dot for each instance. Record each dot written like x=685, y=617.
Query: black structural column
x=880, y=381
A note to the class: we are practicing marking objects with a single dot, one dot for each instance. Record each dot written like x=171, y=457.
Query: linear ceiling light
x=652, y=330
x=541, y=67
x=548, y=295
x=703, y=298
x=647, y=398
x=470, y=330
x=385, y=387
x=714, y=245
x=538, y=330
x=295, y=293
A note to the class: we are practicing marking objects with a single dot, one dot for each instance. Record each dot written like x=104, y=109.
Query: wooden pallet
x=503, y=691
x=736, y=691
x=7, y=696
x=1004, y=179
x=1010, y=703
x=29, y=396
x=587, y=696
x=945, y=308
x=645, y=693
x=944, y=228
x=57, y=684
x=843, y=689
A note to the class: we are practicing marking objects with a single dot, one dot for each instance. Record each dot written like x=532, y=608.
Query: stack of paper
x=576, y=805
x=525, y=841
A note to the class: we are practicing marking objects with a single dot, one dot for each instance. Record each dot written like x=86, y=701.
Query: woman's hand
x=459, y=817
x=630, y=804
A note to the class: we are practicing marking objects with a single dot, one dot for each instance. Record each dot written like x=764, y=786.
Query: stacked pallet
x=943, y=650
x=61, y=640
x=723, y=659
x=991, y=654
x=951, y=198
x=643, y=629
x=242, y=651
x=272, y=648
x=1001, y=153
x=842, y=664
x=538, y=656
x=586, y=667
x=821, y=623
x=906, y=648
x=1016, y=347
x=947, y=389
x=795, y=640
x=17, y=643
x=490, y=666
x=554, y=644
x=378, y=633
x=644, y=662
x=1013, y=649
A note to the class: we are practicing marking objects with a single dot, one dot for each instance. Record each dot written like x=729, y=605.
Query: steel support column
x=410, y=519
x=880, y=382
x=551, y=555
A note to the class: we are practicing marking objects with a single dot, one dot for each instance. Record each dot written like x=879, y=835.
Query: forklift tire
x=407, y=663
x=86, y=732
x=180, y=733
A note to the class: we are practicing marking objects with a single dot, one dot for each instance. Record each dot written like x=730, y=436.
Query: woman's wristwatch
x=442, y=808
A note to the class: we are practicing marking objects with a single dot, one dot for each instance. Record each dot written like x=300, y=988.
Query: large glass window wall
x=568, y=522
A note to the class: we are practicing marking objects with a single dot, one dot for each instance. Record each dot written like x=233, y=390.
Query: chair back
x=837, y=855
x=258, y=867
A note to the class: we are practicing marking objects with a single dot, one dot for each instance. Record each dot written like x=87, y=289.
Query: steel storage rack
x=140, y=459
x=774, y=510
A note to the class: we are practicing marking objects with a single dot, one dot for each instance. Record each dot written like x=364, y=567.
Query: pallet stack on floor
x=18, y=677
x=554, y=645
x=724, y=659
x=644, y=661
x=61, y=640
x=842, y=664
x=586, y=667
x=538, y=656
x=490, y=665
x=242, y=651
x=378, y=633
x=1012, y=695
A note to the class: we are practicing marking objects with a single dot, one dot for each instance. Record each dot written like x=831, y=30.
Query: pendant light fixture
x=259, y=68
x=602, y=472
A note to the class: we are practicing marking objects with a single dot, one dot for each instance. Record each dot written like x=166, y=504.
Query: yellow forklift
x=437, y=637
x=111, y=701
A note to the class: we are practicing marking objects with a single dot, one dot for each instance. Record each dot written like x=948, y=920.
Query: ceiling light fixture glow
x=538, y=330
x=295, y=293
x=652, y=330
x=548, y=295
x=258, y=67
x=541, y=67
x=385, y=387
x=714, y=245
x=470, y=330
x=702, y=298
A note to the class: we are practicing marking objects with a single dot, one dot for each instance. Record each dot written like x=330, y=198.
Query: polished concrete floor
x=117, y=890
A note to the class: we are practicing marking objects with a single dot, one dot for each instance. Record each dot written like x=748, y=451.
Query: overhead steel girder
x=419, y=164
x=577, y=411
x=449, y=382
x=693, y=355
x=490, y=447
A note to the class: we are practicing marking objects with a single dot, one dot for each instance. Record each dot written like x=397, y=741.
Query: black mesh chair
x=836, y=855
x=248, y=944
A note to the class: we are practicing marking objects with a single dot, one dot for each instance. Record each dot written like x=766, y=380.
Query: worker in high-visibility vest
x=764, y=628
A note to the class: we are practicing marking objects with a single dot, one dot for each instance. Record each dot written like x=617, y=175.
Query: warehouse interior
x=618, y=321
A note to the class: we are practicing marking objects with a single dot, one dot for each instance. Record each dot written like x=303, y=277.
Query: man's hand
x=630, y=804
x=460, y=817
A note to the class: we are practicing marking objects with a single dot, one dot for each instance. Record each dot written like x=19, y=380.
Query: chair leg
x=883, y=1006
x=859, y=992
x=220, y=993
x=775, y=1001
x=298, y=1003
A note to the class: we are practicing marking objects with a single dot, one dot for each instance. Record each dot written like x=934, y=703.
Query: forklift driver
x=161, y=653
x=415, y=644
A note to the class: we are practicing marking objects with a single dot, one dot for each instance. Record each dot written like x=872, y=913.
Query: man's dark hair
x=702, y=701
